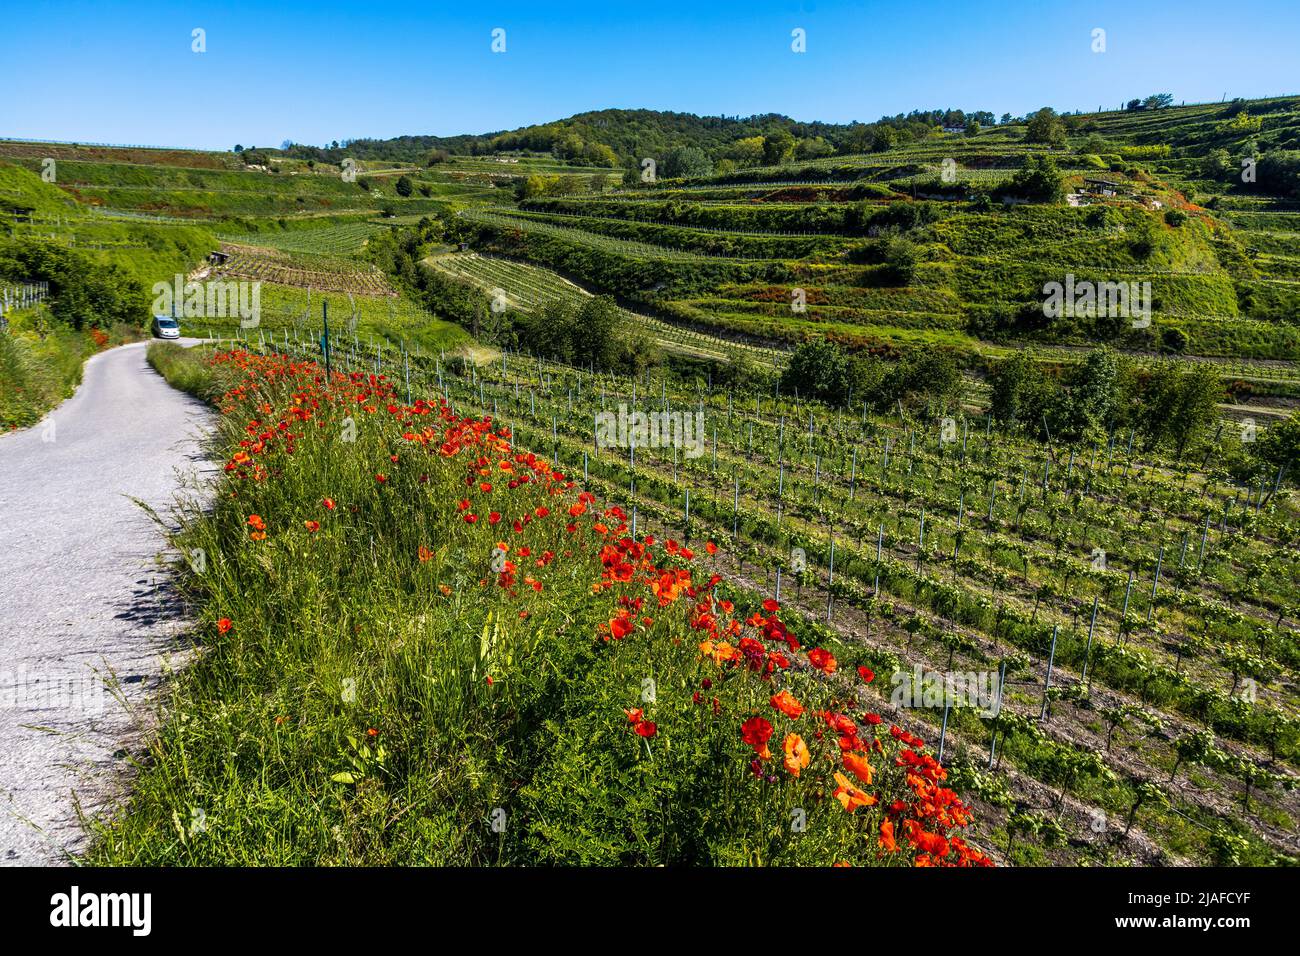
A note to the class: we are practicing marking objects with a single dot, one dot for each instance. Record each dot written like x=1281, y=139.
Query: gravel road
x=86, y=617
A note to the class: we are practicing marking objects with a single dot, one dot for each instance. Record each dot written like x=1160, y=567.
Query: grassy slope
x=38, y=371
x=382, y=695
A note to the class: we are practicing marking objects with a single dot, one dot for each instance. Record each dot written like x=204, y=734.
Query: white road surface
x=86, y=614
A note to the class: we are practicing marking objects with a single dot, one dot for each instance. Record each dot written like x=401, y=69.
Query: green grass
x=183, y=371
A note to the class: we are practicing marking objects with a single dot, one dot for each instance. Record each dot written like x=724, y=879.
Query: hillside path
x=82, y=597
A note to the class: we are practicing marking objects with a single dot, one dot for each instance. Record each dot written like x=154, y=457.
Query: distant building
x=1103, y=187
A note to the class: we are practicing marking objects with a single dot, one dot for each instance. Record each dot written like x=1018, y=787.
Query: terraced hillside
x=944, y=242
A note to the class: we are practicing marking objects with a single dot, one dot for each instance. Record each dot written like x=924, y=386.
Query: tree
x=1087, y=408
x=1276, y=454
x=538, y=185
x=778, y=146
x=818, y=369
x=599, y=154
x=1020, y=390
x=883, y=139
x=1157, y=101
x=747, y=151
x=814, y=147
x=84, y=293
x=1038, y=179
x=238, y=148
x=1243, y=122
x=1218, y=164
x=686, y=161
x=404, y=186
x=1279, y=171
x=900, y=257
x=1094, y=145
x=924, y=377
x=592, y=332
x=1046, y=127
x=1180, y=405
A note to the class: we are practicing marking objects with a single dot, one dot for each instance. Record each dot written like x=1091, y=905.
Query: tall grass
x=184, y=372
x=40, y=370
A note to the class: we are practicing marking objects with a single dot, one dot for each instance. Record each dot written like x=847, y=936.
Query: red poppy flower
x=224, y=625
x=621, y=626
x=757, y=732
x=823, y=660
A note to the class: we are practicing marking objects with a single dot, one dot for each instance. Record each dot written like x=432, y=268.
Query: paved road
x=80, y=599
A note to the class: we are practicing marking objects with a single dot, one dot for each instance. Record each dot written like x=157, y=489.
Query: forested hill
x=616, y=137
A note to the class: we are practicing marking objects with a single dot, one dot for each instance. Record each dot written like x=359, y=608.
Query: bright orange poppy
x=858, y=766
x=849, y=796
x=887, y=836
x=823, y=660
x=796, y=754
x=786, y=704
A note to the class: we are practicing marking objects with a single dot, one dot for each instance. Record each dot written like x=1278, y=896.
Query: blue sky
x=314, y=72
